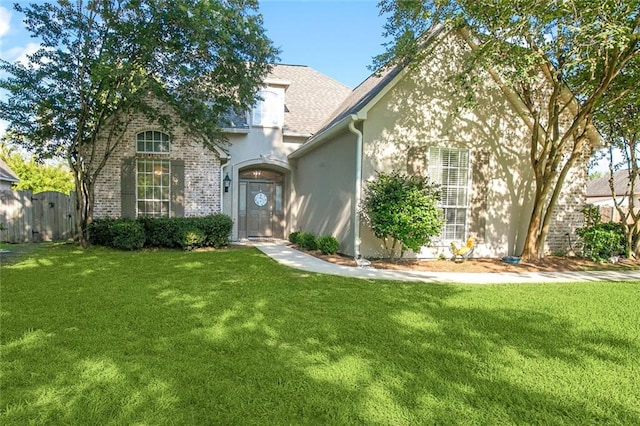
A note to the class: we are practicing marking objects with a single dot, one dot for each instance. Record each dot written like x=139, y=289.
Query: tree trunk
x=530, y=249
x=84, y=205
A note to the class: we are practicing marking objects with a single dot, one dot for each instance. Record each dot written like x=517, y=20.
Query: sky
x=339, y=38
x=336, y=37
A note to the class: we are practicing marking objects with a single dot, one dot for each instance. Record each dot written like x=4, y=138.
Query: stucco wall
x=324, y=190
x=201, y=172
x=261, y=147
x=426, y=109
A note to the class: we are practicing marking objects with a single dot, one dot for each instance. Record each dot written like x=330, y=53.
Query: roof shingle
x=310, y=98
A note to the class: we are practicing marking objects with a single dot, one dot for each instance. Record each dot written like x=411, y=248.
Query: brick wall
x=201, y=172
x=567, y=216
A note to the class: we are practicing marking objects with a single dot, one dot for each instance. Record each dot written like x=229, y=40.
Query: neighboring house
x=599, y=194
x=300, y=158
x=7, y=176
x=599, y=190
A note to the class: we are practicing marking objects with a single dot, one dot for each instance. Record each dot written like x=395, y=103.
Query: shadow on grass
x=233, y=338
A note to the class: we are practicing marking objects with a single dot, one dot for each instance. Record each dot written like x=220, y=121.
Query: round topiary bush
x=294, y=236
x=328, y=244
x=307, y=241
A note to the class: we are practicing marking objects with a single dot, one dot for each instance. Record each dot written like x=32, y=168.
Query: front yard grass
x=231, y=337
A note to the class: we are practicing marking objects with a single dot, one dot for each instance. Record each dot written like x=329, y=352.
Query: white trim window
x=152, y=142
x=449, y=167
x=269, y=108
x=153, y=184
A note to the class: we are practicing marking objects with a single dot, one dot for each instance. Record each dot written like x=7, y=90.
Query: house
x=7, y=176
x=599, y=191
x=300, y=158
x=599, y=194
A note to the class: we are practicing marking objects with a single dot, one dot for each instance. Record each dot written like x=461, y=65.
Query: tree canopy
x=563, y=60
x=178, y=62
x=34, y=176
x=619, y=124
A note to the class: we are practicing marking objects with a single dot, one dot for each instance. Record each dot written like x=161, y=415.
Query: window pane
x=449, y=168
x=153, y=191
x=242, y=198
x=153, y=142
x=278, y=198
x=269, y=109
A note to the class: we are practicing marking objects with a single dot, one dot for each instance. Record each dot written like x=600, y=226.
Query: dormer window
x=269, y=108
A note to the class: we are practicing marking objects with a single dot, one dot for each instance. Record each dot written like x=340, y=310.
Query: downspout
x=356, y=218
x=222, y=174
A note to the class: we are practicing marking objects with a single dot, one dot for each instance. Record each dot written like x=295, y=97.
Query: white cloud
x=19, y=54
x=5, y=21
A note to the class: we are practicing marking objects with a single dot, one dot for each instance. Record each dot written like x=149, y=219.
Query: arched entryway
x=261, y=203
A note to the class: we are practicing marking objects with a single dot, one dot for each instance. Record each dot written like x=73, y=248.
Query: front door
x=260, y=209
x=261, y=204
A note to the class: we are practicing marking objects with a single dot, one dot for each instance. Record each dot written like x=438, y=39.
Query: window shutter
x=479, y=182
x=416, y=161
x=177, y=188
x=128, y=188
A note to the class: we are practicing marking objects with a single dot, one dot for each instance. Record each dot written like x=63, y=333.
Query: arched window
x=269, y=109
x=153, y=142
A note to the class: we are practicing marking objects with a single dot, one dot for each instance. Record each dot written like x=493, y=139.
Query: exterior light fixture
x=227, y=182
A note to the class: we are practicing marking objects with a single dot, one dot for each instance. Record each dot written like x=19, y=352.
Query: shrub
x=307, y=241
x=294, y=237
x=100, y=232
x=328, y=244
x=161, y=232
x=216, y=228
x=185, y=232
x=402, y=209
x=192, y=238
x=127, y=235
x=603, y=240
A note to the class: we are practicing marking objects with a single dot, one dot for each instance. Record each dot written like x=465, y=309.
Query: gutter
x=349, y=123
x=318, y=138
x=358, y=196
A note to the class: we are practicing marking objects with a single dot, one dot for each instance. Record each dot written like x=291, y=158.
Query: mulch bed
x=547, y=264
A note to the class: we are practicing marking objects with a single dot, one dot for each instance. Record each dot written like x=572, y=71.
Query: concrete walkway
x=293, y=258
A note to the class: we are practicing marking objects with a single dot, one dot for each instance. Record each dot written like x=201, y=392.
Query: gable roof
x=377, y=83
x=600, y=187
x=383, y=80
x=362, y=95
x=310, y=98
x=6, y=174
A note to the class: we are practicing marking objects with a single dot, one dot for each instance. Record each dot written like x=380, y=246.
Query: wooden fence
x=28, y=217
x=611, y=214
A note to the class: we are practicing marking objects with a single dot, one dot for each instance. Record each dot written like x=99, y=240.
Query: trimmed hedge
x=127, y=235
x=100, y=231
x=184, y=232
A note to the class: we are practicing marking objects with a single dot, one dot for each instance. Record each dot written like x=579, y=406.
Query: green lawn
x=101, y=337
